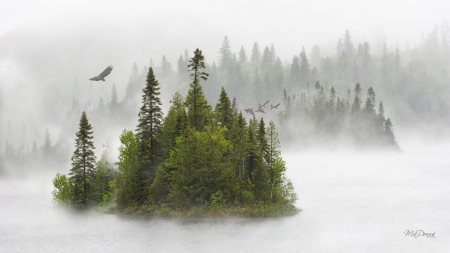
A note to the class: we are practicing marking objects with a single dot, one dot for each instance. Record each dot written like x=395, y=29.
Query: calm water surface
x=351, y=203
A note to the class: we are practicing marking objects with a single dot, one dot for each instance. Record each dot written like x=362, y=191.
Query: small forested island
x=197, y=161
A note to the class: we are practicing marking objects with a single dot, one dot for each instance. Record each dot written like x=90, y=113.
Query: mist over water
x=351, y=202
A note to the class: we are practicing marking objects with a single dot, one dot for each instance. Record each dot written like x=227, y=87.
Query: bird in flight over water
x=102, y=75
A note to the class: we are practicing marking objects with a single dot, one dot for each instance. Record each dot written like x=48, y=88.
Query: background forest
x=325, y=98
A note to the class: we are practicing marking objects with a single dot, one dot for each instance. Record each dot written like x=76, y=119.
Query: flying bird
x=102, y=75
x=250, y=110
x=274, y=107
x=263, y=106
x=260, y=110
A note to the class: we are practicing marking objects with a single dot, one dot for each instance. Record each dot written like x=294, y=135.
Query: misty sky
x=289, y=25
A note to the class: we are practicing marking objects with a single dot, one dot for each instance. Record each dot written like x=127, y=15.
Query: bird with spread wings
x=274, y=107
x=102, y=75
x=250, y=110
x=263, y=106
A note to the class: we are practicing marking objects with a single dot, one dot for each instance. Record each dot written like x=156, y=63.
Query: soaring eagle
x=102, y=75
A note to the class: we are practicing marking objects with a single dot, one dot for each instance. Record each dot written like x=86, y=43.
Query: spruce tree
x=224, y=110
x=83, y=163
x=196, y=102
x=225, y=54
x=149, y=128
x=47, y=146
x=256, y=54
x=242, y=56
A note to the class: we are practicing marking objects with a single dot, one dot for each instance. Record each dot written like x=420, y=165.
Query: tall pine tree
x=83, y=163
x=149, y=128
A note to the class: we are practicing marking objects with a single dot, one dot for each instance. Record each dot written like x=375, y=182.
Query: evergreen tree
x=225, y=56
x=304, y=68
x=256, y=54
x=114, y=104
x=242, y=56
x=224, y=110
x=174, y=123
x=295, y=72
x=47, y=149
x=389, y=134
x=149, y=128
x=348, y=45
x=198, y=109
x=265, y=58
x=83, y=163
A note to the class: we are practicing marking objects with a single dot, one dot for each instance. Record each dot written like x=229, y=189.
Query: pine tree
x=198, y=109
x=295, y=72
x=174, y=123
x=256, y=54
x=242, y=56
x=304, y=68
x=83, y=163
x=224, y=110
x=389, y=134
x=46, y=152
x=149, y=128
x=225, y=56
x=348, y=45
x=114, y=104
x=265, y=58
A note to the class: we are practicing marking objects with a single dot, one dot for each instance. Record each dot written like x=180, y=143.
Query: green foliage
x=149, y=129
x=128, y=180
x=198, y=109
x=62, y=194
x=200, y=166
x=83, y=163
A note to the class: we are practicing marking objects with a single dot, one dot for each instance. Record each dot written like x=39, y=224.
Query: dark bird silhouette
x=250, y=110
x=263, y=106
x=274, y=107
x=102, y=75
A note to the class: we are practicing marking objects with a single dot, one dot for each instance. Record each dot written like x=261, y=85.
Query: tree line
x=196, y=156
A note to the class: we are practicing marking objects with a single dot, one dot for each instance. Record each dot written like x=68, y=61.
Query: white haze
x=351, y=201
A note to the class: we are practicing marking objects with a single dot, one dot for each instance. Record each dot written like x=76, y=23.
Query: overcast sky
x=288, y=24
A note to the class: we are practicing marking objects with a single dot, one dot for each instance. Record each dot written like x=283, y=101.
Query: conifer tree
x=224, y=110
x=242, y=56
x=149, y=128
x=47, y=146
x=265, y=58
x=83, y=163
x=196, y=102
x=114, y=105
x=304, y=68
x=174, y=123
x=295, y=72
x=225, y=54
x=256, y=54
x=389, y=134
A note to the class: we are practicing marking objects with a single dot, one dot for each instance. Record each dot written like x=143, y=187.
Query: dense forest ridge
x=196, y=161
x=412, y=83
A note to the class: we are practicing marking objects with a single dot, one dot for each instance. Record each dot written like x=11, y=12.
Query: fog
x=350, y=203
x=355, y=196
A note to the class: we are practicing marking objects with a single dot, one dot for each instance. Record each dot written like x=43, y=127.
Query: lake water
x=351, y=203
